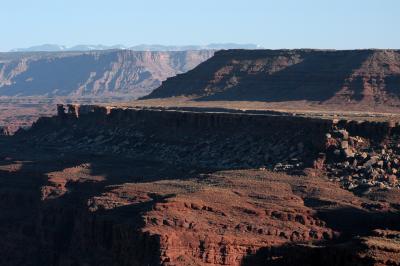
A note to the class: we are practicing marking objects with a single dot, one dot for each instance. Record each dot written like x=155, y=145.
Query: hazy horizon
x=271, y=24
x=140, y=47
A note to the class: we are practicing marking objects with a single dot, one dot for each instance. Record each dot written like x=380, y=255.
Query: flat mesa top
x=298, y=108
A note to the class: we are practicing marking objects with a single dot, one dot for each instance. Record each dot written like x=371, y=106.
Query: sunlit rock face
x=96, y=73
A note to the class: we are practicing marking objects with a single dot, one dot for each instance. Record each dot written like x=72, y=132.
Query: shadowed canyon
x=251, y=157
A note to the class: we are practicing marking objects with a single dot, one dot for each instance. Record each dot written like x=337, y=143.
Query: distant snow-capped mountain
x=60, y=48
x=213, y=46
x=42, y=48
x=141, y=47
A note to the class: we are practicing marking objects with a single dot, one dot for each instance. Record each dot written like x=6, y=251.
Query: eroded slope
x=337, y=77
x=112, y=72
x=101, y=186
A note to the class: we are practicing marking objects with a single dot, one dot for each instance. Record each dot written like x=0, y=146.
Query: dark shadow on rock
x=307, y=255
x=317, y=77
x=392, y=84
x=61, y=230
x=352, y=222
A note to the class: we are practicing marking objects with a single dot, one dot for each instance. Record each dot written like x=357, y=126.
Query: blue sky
x=340, y=24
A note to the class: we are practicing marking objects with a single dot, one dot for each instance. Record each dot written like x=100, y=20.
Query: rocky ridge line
x=356, y=153
x=95, y=73
x=364, y=77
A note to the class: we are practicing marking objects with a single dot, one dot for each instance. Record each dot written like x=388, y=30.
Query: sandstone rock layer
x=97, y=185
x=337, y=77
x=97, y=73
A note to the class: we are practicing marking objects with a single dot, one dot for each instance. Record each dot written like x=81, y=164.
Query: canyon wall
x=100, y=185
x=328, y=76
x=221, y=140
x=220, y=120
x=95, y=73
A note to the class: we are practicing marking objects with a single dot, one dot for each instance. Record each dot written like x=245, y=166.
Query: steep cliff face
x=213, y=140
x=121, y=72
x=97, y=185
x=353, y=76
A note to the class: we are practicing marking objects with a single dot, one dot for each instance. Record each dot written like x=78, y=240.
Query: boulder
x=348, y=153
x=320, y=161
x=392, y=179
x=344, y=144
x=371, y=162
x=344, y=134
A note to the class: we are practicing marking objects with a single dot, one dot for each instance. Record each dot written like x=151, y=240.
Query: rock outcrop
x=74, y=210
x=355, y=153
x=96, y=73
x=338, y=77
x=362, y=163
x=98, y=185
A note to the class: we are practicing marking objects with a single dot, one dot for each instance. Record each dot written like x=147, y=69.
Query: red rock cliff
x=341, y=77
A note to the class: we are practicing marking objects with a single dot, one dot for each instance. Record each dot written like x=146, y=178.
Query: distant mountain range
x=141, y=47
x=212, y=46
x=61, y=48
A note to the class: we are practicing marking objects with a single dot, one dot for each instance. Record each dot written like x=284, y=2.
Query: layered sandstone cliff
x=97, y=185
x=97, y=73
x=329, y=76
